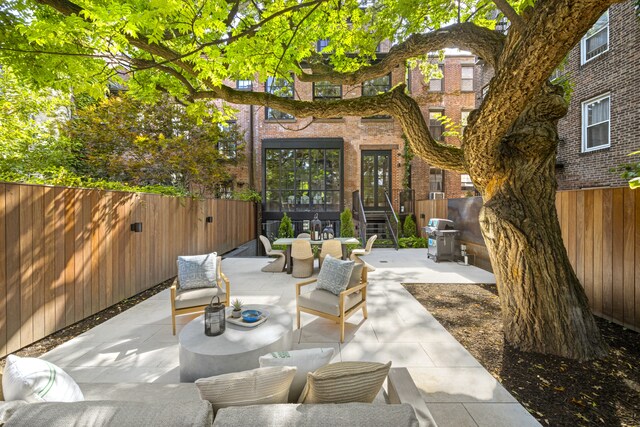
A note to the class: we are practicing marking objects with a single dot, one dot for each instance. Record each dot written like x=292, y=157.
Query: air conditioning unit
x=436, y=195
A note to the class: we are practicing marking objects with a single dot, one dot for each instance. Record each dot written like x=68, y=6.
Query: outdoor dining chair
x=276, y=266
x=357, y=253
x=301, y=258
x=330, y=247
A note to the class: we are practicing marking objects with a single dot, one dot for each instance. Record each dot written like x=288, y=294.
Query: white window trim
x=583, y=44
x=584, y=123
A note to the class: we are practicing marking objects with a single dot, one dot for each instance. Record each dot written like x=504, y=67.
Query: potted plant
x=237, y=308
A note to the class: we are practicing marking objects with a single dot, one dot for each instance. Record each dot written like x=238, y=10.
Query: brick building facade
x=602, y=125
x=365, y=146
x=610, y=76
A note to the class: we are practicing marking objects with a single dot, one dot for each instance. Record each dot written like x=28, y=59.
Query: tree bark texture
x=544, y=306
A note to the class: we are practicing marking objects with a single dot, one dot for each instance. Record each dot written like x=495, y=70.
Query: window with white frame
x=596, y=41
x=244, y=85
x=437, y=84
x=436, y=128
x=466, y=183
x=466, y=82
x=279, y=87
x=595, y=123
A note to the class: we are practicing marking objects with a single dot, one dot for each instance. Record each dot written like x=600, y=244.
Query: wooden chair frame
x=344, y=314
x=198, y=308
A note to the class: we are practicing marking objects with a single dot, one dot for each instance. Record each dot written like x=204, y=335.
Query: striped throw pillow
x=36, y=380
x=305, y=361
x=345, y=382
x=255, y=387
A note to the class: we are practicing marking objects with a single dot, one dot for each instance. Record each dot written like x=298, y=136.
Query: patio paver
x=137, y=345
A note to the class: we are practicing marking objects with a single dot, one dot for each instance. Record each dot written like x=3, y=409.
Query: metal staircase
x=384, y=223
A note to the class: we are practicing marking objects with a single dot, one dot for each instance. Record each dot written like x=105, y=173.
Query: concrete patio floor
x=137, y=345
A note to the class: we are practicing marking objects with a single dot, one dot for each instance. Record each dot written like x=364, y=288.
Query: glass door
x=375, y=178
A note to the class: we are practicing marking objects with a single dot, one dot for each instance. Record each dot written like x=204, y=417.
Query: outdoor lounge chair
x=330, y=247
x=325, y=304
x=276, y=266
x=301, y=258
x=187, y=301
x=357, y=253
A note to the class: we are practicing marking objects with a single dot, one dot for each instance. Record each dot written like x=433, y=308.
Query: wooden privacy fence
x=68, y=253
x=601, y=232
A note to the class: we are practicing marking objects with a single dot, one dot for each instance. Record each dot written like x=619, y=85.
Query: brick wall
x=361, y=134
x=616, y=71
x=451, y=102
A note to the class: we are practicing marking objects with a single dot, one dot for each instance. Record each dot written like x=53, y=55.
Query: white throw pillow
x=197, y=271
x=36, y=380
x=307, y=360
x=255, y=387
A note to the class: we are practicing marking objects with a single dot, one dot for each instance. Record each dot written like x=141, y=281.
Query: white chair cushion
x=36, y=380
x=305, y=361
x=326, y=302
x=334, y=275
x=197, y=271
x=199, y=296
x=259, y=386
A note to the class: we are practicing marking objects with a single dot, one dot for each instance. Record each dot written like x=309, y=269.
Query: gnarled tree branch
x=516, y=21
x=480, y=41
x=394, y=102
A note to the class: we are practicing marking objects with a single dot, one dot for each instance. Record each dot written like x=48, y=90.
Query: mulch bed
x=50, y=342
x=555, y=390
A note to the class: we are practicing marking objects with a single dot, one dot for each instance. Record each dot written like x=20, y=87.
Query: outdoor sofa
x=152, y=404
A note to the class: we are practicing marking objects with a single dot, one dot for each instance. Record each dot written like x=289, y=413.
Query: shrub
x=286, y=227
x=409, y=227
x=412, y=242
x=347, y=229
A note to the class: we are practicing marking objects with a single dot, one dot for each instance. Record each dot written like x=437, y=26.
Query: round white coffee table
x=237, y=349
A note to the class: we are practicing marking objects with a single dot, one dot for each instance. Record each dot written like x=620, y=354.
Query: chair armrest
x=402, y=389
x=174, y=293
x=225, y=279
x=354, y=289
x=305, y=283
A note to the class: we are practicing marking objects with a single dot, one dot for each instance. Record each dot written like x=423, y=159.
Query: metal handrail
x=389, y=208
x=361, y=216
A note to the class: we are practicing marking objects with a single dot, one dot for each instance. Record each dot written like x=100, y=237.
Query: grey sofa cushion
x=112, y=413
x=327, y=302
x=327, y=415
x=200, y=296
x=8, y=408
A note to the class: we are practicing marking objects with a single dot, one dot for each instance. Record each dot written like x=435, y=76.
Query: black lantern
x=316, y=228
x=214, y=318
x=328, y=233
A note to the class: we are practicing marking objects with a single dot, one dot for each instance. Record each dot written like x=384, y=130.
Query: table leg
x=344, y=251
x=289, y=263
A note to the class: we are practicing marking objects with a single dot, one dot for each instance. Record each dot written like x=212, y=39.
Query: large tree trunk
x=544, y=307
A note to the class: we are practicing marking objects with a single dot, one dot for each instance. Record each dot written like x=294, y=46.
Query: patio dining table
x=289, y=241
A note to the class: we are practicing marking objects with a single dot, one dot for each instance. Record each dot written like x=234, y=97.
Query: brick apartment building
x=603, y=122
x=306, y=166
x=602, y=125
